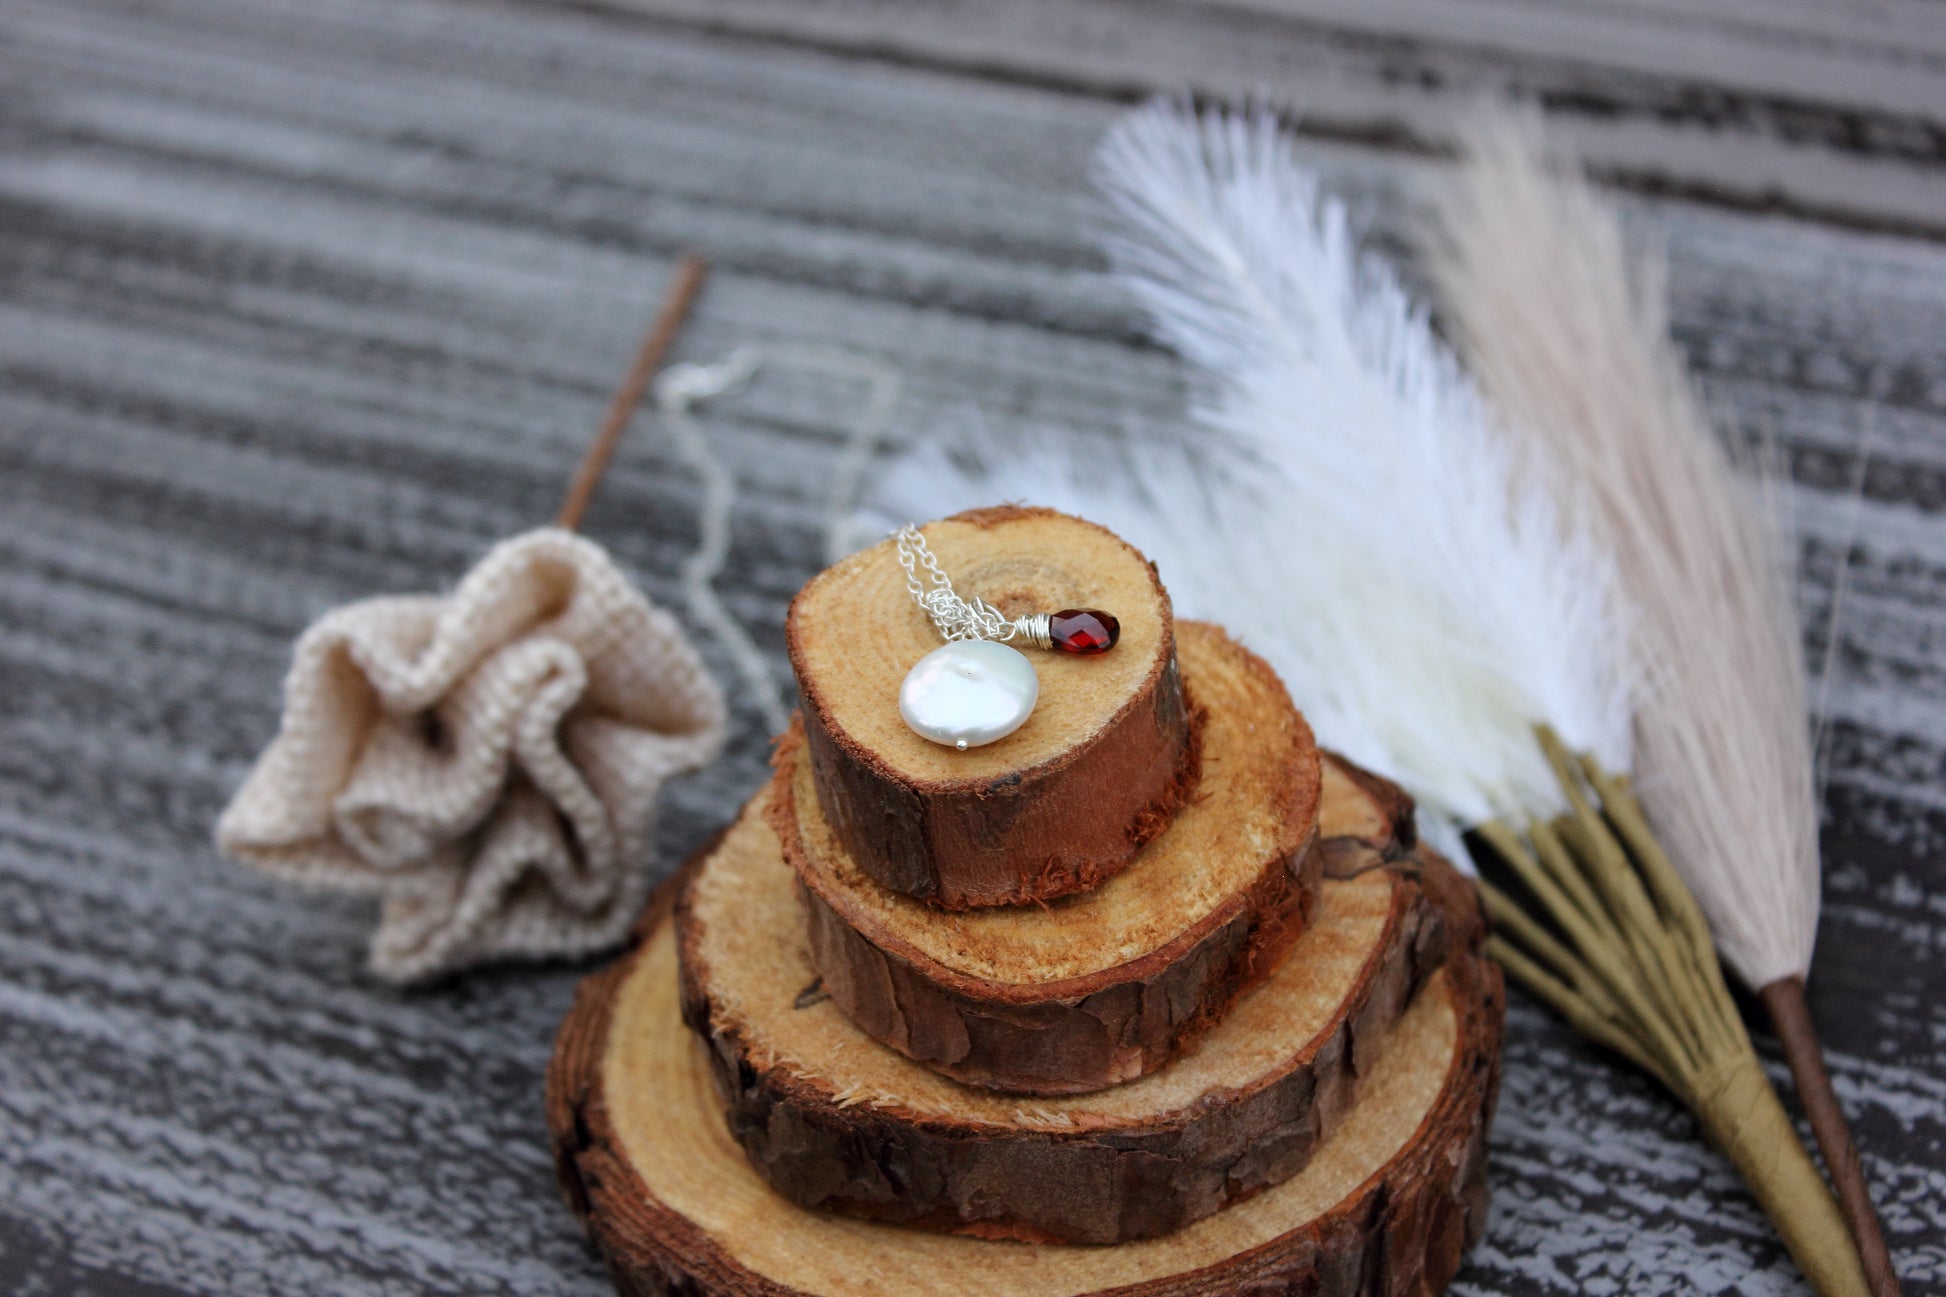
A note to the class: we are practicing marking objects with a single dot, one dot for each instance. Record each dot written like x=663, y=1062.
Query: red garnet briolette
x=1083, y=632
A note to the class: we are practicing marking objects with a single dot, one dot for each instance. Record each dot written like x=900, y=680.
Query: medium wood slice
x=1385, y=1207
x=1106, y=986
x=833, y=1120
x=1055, y=807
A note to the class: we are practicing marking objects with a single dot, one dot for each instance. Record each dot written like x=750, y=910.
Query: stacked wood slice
x=1150, y=996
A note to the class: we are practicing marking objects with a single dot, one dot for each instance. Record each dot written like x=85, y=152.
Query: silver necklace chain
x=957, y=618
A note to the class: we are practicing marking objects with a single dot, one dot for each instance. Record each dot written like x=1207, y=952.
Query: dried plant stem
x=690, y=272
x=1784, y=998
x=1619, y=947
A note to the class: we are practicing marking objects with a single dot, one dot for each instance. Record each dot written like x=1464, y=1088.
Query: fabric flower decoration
x=486, y=762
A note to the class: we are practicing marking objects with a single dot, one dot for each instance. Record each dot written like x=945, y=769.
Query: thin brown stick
x=648, y=359
x=1784, y=999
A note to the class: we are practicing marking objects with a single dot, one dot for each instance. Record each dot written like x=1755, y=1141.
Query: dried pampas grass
x=1569, y=334
x=1439, y=594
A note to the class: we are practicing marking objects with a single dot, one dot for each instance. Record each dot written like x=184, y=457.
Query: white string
x=883, y=389
x=679, y=390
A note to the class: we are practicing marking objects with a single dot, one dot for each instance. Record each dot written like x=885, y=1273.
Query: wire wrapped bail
x=1036, y=629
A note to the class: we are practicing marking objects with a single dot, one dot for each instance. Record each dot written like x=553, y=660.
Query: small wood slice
x=1386, y=1206
x=1055, y=807
x=1106, y=986
x=834, y=1121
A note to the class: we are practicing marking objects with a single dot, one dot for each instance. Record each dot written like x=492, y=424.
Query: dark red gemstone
x=1083, y=631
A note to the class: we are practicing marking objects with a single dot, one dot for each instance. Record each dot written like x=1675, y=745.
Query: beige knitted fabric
x=487, y=762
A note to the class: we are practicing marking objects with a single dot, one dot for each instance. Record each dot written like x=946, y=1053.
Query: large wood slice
x=1053, y=808
x=835, y=1121
x=1106, y=986
x=1385, y=1206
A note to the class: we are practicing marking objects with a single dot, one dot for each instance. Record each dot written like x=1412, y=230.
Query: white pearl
x=969, y=693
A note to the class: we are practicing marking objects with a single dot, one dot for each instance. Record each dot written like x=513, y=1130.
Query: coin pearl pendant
x=969, y=693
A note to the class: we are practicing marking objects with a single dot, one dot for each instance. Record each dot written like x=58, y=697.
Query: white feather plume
x=1349, y=507
x=1569, y=331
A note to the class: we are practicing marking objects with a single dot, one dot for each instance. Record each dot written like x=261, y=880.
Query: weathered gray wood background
x=302, y=300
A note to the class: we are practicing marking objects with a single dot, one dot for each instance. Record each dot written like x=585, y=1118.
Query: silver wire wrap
x=957, y=618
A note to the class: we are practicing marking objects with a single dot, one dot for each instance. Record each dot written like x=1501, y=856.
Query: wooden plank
x=1880, y=57
x=307, y=300
x=1740, y=114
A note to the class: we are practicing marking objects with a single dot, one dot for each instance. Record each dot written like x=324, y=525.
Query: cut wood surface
x=1110, y=983
x=834, y=1121
x=1055, y=807
x=1386, y=1206
x=308, y=300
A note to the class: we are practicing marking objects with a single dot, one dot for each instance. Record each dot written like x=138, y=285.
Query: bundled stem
x=1616, y=944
